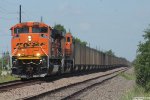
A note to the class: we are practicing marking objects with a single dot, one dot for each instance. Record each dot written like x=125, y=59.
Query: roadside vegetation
x=142, y=62
x=5, y=70
x=129, y=76
x=5, y=76
x=136, y=91
x=142, y=70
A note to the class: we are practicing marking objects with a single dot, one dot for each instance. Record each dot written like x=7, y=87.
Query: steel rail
x=72, y=95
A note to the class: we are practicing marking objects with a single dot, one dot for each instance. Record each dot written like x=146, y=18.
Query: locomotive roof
x=30, y=23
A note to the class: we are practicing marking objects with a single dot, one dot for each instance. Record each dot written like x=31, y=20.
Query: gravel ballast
x=113, y=89
x=47, y=86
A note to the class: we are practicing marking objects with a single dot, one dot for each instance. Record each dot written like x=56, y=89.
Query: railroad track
x=16, y=84
x=6, y=86
x=72, y=91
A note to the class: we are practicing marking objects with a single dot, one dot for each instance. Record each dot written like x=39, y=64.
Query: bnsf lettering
x=29, y=44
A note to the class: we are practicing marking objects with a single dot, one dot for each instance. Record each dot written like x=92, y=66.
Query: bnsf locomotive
x=38, y=50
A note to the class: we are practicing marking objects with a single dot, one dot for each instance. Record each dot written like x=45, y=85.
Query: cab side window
x=35, y=30
x=44, y=30
x=39, y=29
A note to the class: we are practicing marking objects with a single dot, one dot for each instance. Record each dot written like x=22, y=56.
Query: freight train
x=38, y=50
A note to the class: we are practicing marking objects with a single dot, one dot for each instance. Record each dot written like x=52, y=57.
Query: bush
x=142, y=62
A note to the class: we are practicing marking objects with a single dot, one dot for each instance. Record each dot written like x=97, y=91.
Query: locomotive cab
x=68, y=44
x=30, y=49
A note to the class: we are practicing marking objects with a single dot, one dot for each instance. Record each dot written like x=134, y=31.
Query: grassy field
x=7, y=78
x=129, y=76
x=137, y=91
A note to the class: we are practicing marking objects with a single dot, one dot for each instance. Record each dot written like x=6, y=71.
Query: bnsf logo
x=31, y=44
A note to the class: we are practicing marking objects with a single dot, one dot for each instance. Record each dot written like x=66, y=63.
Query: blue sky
x=107, y=24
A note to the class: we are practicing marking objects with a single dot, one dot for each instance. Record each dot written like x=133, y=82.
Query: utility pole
x=20, y=14
x=2, y=60
x=41, y=19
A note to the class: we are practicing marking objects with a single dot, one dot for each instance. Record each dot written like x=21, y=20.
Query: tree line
x=142, y=62
x=5, y=61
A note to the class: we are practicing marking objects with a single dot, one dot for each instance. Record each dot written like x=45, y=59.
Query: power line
x=5, y=11
x=27, y=13
x=8, y=19
x=10, y=3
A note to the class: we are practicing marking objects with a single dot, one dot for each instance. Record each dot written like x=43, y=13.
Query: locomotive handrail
x=43, y=51
x=46, y=55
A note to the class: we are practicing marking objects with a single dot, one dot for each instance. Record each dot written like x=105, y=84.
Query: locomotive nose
x=28, y=46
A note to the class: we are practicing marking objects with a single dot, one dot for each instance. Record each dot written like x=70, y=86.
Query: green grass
x=137, y=91
x=128, y=76
x=7, y=78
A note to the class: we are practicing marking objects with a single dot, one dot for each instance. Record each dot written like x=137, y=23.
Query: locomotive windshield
x=21, y=30
x=39, y=30
x=68, y=39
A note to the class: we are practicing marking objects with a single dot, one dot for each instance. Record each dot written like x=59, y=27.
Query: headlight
x=38, y=54
x=29, y=38
x=19, y=54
